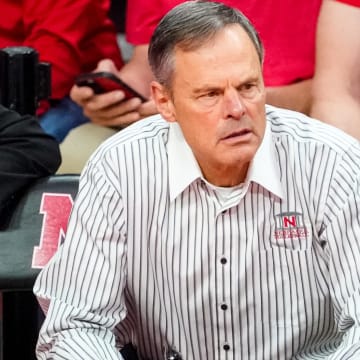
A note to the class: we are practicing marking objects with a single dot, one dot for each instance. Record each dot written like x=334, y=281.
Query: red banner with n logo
x=56, y=210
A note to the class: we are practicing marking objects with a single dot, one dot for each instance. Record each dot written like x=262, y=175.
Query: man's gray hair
x=187, y=27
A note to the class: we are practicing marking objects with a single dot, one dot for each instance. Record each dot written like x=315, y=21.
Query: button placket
x=223, y=278
x=223, y=306
x=226, y=346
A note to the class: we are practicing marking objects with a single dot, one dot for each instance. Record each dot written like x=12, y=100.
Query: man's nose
x=233, y=104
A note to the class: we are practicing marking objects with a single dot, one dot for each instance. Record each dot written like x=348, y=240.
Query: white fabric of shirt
x=154, y=256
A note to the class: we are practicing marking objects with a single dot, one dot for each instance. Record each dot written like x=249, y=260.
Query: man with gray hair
x=222, y=228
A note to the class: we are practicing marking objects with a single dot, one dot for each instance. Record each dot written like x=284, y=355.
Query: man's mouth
x=237, y=134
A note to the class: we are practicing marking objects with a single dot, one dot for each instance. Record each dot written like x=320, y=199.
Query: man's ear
x=163, y=101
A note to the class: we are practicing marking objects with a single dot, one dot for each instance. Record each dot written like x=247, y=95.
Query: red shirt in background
x=73, y=35
x=351, y=2
x=286, y=27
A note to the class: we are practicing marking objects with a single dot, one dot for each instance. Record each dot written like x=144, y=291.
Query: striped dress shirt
x=156, y=256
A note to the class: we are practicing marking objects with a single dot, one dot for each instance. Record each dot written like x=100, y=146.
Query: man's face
x=218, y=98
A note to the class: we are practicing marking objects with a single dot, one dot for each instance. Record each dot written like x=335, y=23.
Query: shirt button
x=223, y=306
x=223, y=260
x=226, y=347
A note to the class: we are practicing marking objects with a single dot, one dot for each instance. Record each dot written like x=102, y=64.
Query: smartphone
x=102, y=82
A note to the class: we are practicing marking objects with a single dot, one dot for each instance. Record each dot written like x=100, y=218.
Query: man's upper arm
x=84, y=281
x=342, y=229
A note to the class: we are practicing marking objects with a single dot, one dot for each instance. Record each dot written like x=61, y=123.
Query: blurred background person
x=336, y=88
x=288, y=33
x=287, y=30
x=72, y=36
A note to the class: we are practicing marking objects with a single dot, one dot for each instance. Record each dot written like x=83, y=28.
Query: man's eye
x=248, y=87
x=249, y=90
x=210, y=94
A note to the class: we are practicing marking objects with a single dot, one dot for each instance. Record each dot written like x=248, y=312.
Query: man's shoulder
x=152, y=128
x=294, y=127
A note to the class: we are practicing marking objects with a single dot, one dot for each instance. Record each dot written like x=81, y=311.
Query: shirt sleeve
x=81, y=289
x=342, y=243
x=26, y=153
x=72, y=35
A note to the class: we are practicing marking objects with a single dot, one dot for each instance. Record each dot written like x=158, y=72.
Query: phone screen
x=102, y=82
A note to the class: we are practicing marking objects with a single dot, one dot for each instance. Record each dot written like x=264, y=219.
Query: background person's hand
x=110, y=109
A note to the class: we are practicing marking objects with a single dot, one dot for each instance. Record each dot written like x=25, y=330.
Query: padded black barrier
x=22, y=316
x=23, y=231
x=20, y=234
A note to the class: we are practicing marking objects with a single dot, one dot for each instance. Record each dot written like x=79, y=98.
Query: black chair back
x=34, y=230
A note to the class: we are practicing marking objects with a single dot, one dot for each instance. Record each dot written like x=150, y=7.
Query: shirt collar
x=264, y=169
x=184, y=169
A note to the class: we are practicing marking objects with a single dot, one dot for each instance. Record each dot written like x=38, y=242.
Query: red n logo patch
x=289, y=221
